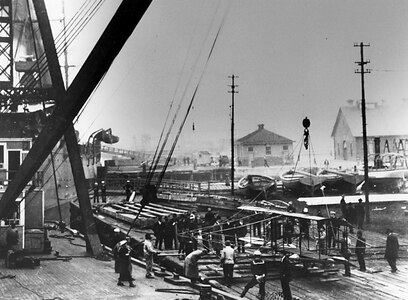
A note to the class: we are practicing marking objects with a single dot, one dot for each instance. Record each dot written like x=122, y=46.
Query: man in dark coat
x=241, y=231
x=343, y=207
x=286, y=277
x=125, y=264
x=258, y=269
x=360, y=250
x=103, y=191
x=360, y=213
x=332, y=230
x=96, y=192
x=351, y=213
x=128, y=189
x=158, y=229
x=345, y=244
x=209, y=218
x=391, y=250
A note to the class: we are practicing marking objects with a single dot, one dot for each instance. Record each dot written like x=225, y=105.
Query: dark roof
x=262, y=136
x=21, y=125
x=382, y=120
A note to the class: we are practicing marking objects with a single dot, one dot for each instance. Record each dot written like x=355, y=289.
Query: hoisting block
x=177, y=280
x=162, y=273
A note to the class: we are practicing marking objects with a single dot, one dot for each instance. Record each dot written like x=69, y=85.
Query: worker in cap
x=125, y=263
x=96, y=192
x=103, y=191
x=128, y=187
x=115, y=249
x=332, y=230
x=258, y=269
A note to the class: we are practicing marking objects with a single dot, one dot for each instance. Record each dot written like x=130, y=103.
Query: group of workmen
x=195, y=237
x=183, y=232
x=99, y=190
x=353, y=216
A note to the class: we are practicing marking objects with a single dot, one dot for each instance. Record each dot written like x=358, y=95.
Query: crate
x=34, y=241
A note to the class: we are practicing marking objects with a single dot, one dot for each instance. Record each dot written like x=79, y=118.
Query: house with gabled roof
x=263, y=145
x=386, y=125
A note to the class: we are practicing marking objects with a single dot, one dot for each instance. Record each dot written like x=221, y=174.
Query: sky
x=293, y=59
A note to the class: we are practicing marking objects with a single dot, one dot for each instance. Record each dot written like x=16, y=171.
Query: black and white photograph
x=203, y=149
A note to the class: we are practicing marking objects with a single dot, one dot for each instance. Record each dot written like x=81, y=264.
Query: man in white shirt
x=148, y=252
x=227, y=262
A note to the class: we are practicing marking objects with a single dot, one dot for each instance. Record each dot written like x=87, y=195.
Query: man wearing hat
x=128, y=189
x=391, y=250
x=360, y=213
x=258, y=269
x=125, y=263
x=103, y=191
x=96, y=192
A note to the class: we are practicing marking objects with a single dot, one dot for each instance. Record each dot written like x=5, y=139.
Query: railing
x=209, y=187
x=119, y=151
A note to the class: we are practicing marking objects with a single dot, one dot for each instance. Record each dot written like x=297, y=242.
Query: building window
x=351, y=149
x=26, y=145
x=285, y=147
x=250, y=149
x=268, y=150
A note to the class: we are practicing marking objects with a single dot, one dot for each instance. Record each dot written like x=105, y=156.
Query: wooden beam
x=91, y=235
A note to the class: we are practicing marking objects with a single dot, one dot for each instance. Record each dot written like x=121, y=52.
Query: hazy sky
x=293, y=59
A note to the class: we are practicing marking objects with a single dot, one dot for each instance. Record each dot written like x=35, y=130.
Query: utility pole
x=233, y=92
x=362, y=71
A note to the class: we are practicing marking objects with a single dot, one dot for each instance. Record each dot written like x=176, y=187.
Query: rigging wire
x=157, y=159
x=67, y=36
x=193, y=97
x=154, y=165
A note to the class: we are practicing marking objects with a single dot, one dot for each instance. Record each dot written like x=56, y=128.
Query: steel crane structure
x=68, y=102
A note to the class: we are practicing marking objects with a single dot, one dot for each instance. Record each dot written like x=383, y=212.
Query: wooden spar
x=97, y=64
